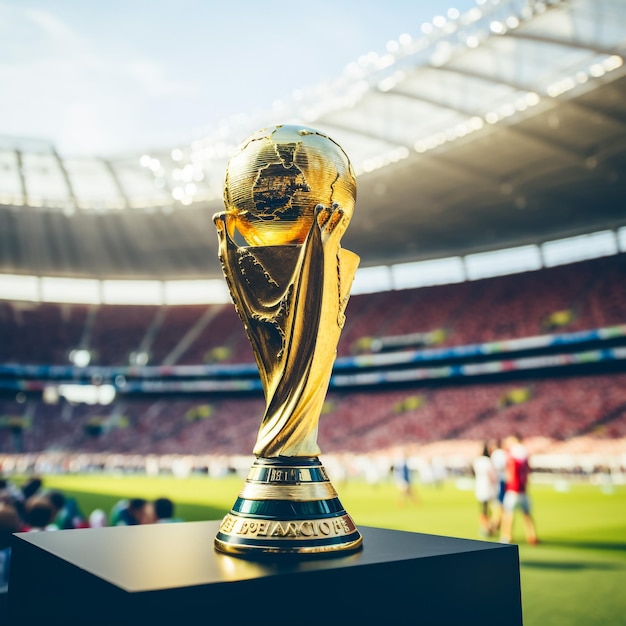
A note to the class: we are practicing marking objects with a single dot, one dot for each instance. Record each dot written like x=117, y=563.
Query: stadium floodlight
x=19, y=288
x=427, y=273
x=502, y=262
x=132, y=292
x=138, y=358
x=75, y=290
x=80, y=357
x=195, y=292
x=621, y=239
x=88, y=394
x=580, y=248
x=372, y=280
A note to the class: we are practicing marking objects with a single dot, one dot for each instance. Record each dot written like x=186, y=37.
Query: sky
x=122, y=76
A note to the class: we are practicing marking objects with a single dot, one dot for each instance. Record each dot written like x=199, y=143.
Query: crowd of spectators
x=593, y=294
x=558, y=409
x=585, y=295
x=33, y=508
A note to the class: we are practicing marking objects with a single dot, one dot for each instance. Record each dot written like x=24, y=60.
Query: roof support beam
x=364, y=133
x=463, y=169
x=578, y=45
x=551, y=145
x=20, y=173
x=609, y=116
x=66, y=178
x=419, y=98
x=116, y=181
x=488, y=79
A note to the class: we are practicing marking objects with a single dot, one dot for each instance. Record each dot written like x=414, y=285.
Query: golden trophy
x=289, y=194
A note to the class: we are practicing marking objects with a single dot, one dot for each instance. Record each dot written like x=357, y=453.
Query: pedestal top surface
x=160, y=556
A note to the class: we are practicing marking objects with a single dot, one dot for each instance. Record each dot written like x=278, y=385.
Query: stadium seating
x=585, y=295
x=592, y=292
x=355, y=422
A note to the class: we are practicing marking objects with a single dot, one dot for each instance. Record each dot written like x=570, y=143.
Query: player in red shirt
x=515, y=496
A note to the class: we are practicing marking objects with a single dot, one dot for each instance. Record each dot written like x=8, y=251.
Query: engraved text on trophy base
x=304, y=529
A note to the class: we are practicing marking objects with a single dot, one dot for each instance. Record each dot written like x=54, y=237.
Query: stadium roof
x=502, y=127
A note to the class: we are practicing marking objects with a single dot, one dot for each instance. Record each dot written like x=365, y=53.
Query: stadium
x=490, y=154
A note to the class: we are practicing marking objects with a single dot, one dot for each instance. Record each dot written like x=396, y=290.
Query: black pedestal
x=170, y=574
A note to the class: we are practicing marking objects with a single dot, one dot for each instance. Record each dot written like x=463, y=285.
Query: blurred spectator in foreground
x=31, y=487
x=135, y=511
x=9, y=493
x=116, y=511
x=485, y=489
x=57, y=499
x=20, y=495
x=68, y=514
x=39, y=514
x=9, y=524
x=515, y=496
x=164, y=511
x=97, y=519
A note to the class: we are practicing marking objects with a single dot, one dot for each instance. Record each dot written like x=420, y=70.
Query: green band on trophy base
x=268, y=524
x=289, y=193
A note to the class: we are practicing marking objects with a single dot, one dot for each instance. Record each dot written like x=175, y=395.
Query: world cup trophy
x=289, y=194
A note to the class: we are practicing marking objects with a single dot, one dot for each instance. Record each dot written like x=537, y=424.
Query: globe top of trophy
x=276, y=179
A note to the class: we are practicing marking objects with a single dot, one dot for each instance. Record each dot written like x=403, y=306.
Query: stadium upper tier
x=571, y=298
x=502, y=126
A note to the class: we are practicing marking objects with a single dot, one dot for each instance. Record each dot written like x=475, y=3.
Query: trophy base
x=287, y=506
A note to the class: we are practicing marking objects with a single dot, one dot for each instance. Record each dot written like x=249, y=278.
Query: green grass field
x=575, y=577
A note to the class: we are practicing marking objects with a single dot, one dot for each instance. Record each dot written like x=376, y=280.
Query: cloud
x=98, y=77
x=153, y=79
x=55, y=29
x=60, y=86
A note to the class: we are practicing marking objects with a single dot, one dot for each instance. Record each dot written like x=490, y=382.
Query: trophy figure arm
x=219, y=219
x=289, y=427
x=261, y=305
x=227, y=254
x=333, y=222
x=223, y=238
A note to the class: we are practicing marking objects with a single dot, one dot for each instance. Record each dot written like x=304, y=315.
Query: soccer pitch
x=575, y=577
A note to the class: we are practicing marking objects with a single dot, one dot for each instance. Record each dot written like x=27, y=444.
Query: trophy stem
x=287, y=506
